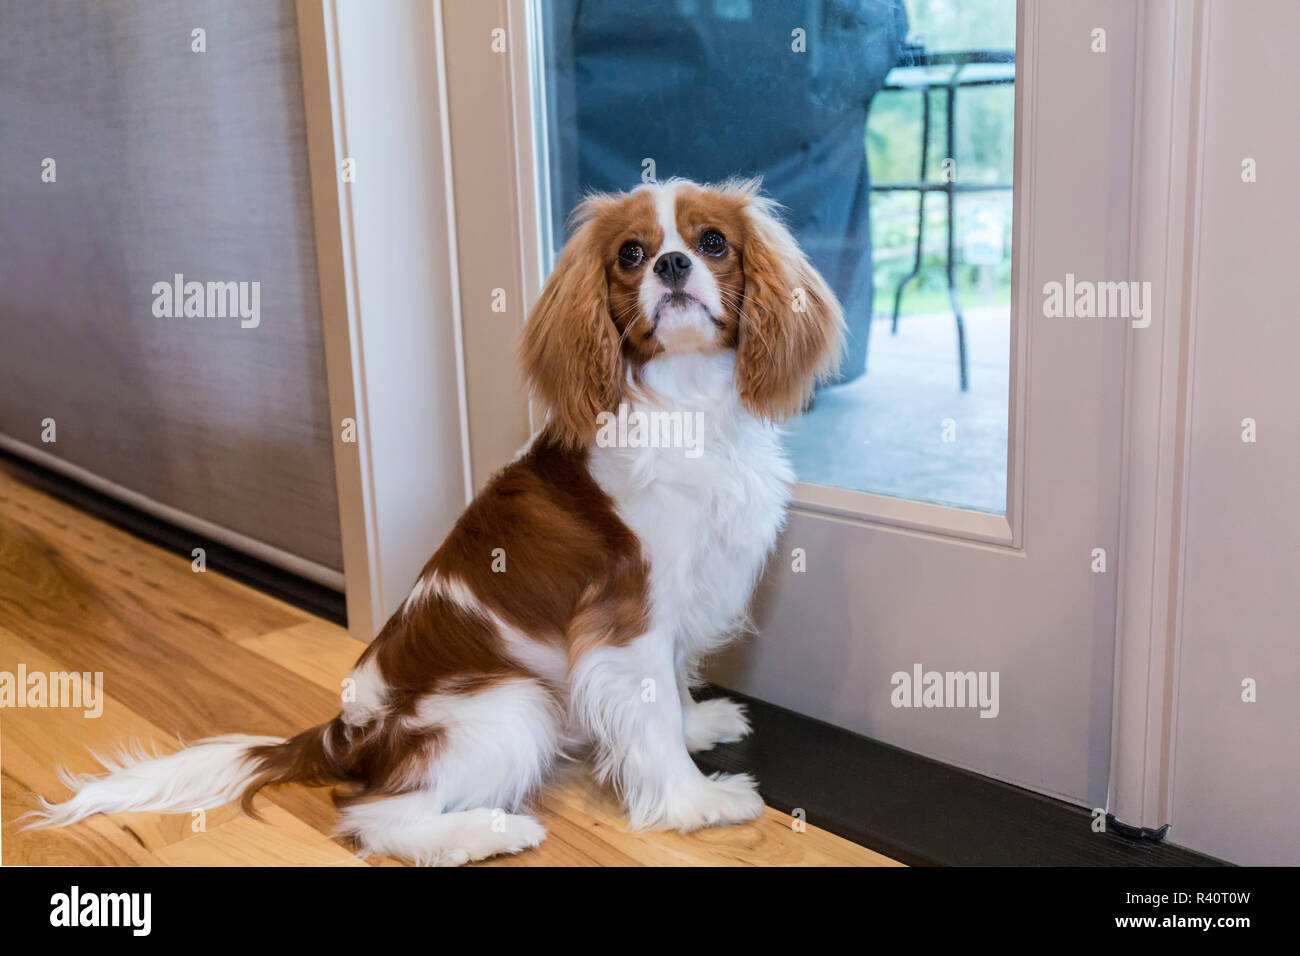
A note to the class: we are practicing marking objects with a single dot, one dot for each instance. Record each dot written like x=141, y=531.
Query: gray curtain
x=167, y=161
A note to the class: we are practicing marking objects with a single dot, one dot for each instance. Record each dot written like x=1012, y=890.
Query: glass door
x=886, y=131
x=944, y=164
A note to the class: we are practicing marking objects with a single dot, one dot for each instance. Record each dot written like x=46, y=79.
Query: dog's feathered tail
x=208, y=774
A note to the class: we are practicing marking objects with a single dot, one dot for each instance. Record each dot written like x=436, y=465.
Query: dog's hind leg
x=413, y=827
x=489, y=750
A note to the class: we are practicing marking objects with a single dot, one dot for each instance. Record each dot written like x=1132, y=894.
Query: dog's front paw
x=717, y=801
x=715, y=721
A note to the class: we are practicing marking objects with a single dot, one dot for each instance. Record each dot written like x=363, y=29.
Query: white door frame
x=375, y=89
x=374, y=92
x=1168, y=180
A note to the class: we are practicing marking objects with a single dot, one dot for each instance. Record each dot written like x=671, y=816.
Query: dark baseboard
x=308, y=595
x=915, y=810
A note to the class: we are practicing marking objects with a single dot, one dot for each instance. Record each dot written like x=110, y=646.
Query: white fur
x=627, y=699
x=496, y=744
x=706, y=526
x=412, y=827
x=439, y=585
x=206, y=775
x=367, y=698
x=712, y=722
x=495, y=749
x=727, y=505
x=681, y=328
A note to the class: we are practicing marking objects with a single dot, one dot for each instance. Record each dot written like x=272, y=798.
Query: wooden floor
x=190, y=655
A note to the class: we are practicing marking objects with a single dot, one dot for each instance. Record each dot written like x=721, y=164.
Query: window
x=886, y=129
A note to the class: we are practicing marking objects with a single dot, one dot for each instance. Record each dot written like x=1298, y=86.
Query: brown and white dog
x=627, y=559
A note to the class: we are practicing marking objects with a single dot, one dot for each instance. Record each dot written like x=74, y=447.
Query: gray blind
x=167, y=161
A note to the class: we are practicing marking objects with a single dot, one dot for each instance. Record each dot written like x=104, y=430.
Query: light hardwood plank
x=30, y=738
x=97, y=842
x=318, y=651
x=279, y=839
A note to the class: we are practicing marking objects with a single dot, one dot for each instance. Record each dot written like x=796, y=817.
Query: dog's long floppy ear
x=570, y=349
x=791, y=327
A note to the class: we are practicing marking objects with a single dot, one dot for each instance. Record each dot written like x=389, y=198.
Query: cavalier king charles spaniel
x=570, y=607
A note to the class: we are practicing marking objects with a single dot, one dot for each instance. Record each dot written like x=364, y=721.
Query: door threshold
x=913, y=809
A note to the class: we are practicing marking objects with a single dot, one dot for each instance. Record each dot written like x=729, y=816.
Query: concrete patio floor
x=884, y=432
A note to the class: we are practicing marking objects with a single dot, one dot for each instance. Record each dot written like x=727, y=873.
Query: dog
x=571, y=605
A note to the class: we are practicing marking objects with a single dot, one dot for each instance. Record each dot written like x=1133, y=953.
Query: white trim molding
x=489, y=119
x=1167, y=177
x=374, y=90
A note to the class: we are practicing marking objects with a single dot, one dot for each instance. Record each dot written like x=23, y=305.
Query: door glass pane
x=886, y=129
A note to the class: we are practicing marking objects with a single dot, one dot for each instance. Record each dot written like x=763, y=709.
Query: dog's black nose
x=673, y=267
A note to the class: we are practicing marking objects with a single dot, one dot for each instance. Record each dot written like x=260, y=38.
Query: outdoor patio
x=884, y=432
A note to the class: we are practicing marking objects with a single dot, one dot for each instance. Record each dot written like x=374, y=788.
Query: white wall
x=1235, y=769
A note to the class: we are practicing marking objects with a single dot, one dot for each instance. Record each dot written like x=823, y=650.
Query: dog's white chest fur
x=707, y=515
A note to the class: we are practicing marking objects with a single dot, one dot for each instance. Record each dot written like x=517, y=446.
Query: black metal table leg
x=950, y=192
x=958, y=60
x=920, y=208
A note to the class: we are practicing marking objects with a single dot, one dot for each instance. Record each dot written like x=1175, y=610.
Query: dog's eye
x=631, y=255
x=713, y=243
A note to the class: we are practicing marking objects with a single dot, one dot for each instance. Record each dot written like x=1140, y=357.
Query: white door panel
x=891, y=583
x=877, y=600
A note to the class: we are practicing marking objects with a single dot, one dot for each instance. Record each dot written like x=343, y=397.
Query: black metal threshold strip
x=915, y=810
x=308, y=595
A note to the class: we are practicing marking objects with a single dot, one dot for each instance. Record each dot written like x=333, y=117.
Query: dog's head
x=671, y=269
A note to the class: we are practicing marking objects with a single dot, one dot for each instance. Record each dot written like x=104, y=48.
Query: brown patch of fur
x=427, y=648
x=305, y=758
x=583, y=330
x=698, y=210
x=575, y=576
x=781, y=351
x=633, y=219
x=565, y=547
x=569, y=559
x=385, y=758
